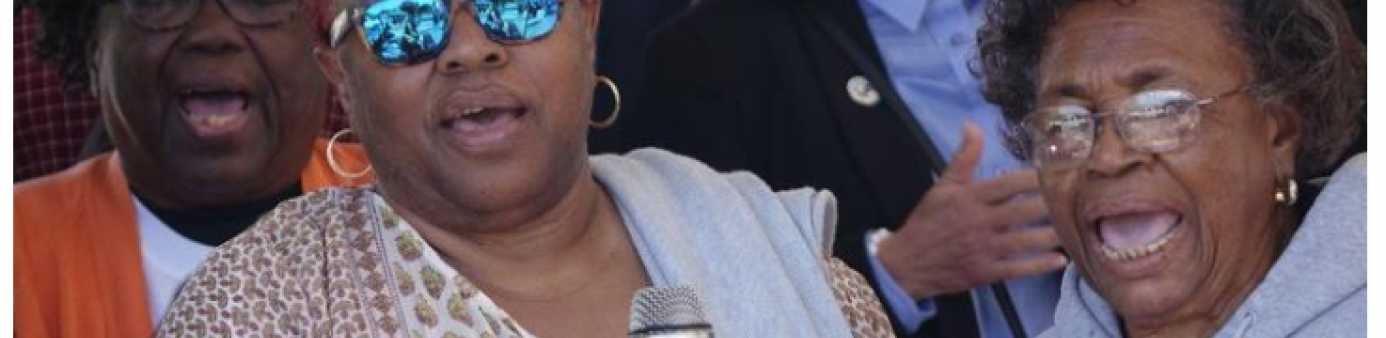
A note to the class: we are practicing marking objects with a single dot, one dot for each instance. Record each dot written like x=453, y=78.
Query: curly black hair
x=1303, y=51
x=69, y=29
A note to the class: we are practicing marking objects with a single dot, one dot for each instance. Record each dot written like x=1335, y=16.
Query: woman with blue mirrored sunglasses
x=489, y=218
x=413, y=31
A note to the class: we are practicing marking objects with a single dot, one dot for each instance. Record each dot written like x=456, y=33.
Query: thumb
x=964, y=162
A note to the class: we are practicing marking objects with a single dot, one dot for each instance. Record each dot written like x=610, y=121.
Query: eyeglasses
x=1154, y=121
x=405, y=32
x=163, y=15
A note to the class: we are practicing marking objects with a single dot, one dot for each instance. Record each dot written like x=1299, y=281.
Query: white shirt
x=168, y=257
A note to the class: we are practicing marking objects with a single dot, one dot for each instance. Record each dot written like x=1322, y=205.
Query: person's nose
x=1111, y=156
x=469, y=48
x=212, y=30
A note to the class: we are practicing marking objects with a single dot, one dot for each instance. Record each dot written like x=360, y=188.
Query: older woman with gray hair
x=1175, y=141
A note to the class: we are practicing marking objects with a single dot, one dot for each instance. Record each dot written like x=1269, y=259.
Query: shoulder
x=300, y=227
x=1348, y=318
x=276, y=272
x=1320, y=281
x=91, y=197
x=1349, y=182
x=294, y=233
x=317, y=210
x=666, y=172
x=44, y=192
x=1337, y=220
x=655, y=181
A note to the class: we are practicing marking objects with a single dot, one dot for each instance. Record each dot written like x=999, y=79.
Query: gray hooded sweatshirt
x=1318, y=287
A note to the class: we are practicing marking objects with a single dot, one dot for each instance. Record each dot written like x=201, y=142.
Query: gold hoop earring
x=1289, y=194
x=332, y=159
x=610, y=120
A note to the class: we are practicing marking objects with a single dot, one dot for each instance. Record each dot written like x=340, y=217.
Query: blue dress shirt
x=927, y=46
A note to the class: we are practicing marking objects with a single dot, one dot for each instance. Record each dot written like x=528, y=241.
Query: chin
x=1167, y=296
x=1148, y=302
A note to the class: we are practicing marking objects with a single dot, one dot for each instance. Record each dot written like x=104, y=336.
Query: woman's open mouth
x=482, y=125
x=212, y=112
x=1131, y=236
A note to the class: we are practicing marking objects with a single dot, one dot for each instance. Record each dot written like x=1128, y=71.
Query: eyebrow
x=1138, y=79
x=1145, y=75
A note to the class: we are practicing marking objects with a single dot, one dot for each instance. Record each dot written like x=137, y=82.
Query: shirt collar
x=906, y=13
x=910, y=13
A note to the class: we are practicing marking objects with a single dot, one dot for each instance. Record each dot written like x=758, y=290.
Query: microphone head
x=668, y=311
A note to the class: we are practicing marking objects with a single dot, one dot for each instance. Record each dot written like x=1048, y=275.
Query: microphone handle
x=674, y=331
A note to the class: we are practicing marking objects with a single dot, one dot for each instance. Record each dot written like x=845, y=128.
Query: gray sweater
x=755, y=256
x=1318, y=287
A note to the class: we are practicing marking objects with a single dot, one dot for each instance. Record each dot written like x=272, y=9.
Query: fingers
x=1001, y=188
x=964, y=162
x=1019, y=211
x=1026, y=240
x=1016, y=268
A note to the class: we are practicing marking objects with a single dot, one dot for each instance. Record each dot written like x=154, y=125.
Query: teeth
x=1134, y=253
x=216, y=121
x=470, y=111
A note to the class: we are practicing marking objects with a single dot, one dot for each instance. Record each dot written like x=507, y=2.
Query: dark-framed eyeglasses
x=406, y=32
x=164, y=15
x=1154, y=121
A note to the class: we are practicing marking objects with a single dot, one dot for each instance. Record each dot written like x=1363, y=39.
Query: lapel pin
x=862, y=92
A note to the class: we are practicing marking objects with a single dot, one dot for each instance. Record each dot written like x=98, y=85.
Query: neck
x=215, y=225
x=1203, y=327
x=558, y=246
x=172, y=191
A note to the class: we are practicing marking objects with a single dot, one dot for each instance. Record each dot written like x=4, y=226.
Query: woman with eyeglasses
x=1177, y=144
x=214, y=108
x=489, y=219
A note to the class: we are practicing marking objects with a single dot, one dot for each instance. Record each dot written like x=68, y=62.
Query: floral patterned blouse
x=341, y=263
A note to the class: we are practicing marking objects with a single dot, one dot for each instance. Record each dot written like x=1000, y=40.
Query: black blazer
x=761, y=85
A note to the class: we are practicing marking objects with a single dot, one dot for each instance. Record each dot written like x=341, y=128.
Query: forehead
x=1105, y=43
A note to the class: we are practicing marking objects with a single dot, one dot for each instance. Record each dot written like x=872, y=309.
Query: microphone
x=668, y=312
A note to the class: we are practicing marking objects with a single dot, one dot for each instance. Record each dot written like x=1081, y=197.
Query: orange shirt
x=78, y=267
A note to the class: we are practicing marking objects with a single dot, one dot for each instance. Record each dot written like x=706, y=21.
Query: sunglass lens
x=406, y=31
x=517, y=20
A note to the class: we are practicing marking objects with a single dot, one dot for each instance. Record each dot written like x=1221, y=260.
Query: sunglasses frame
x=350, y=18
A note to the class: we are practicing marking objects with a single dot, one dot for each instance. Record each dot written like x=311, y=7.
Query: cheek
x=1230, y=188
x=135, y=63
x=377, y=107
x=1231, y=184
x=1060, y=196
x=289, y=62
x=300, y=89
x=383, y=93
x=392, y=104
x=562, y=73
x=129, y=73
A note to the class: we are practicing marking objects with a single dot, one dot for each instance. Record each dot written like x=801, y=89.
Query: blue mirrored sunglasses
x=405, y=32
